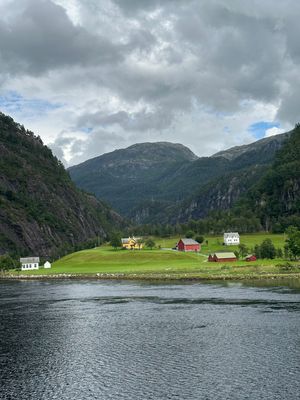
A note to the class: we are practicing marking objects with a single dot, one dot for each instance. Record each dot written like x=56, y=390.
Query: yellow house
x=132, y=243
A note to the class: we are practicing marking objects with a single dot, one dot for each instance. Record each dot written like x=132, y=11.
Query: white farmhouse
x=231, y=238
x=47, y=264
x=29, y=263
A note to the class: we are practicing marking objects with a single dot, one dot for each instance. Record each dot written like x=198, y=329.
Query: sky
x=91, y=76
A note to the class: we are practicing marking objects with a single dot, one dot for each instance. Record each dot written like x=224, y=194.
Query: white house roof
x=189, y=241
x=231, y=234
x=29, y=260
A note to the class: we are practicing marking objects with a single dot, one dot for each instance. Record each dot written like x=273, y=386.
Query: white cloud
x=274, y=131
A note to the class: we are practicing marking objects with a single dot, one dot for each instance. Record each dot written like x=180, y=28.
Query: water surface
x=111, y=340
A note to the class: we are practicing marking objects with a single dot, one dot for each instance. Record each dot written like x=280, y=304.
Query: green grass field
x=215, y=242
x=168, y=263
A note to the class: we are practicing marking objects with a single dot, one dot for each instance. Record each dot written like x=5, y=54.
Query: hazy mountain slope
x=128, y=176
x=41, y=210
x=150, y=182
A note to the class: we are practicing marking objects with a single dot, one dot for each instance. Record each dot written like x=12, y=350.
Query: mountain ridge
x=142, y=183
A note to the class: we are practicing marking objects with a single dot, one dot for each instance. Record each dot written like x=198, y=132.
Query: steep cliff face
x=41, y=210
x=221, y=194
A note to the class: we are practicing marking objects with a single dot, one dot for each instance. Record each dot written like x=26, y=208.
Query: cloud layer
x=115, y=72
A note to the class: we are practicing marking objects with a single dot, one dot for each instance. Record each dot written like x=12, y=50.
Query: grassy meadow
x=166, y=263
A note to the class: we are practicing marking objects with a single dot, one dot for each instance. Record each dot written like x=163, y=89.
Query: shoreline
x=151, y=277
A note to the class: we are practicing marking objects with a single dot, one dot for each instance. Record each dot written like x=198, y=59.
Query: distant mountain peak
x=236, y=151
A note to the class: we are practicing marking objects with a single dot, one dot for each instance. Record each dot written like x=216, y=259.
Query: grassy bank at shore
x=105, y=262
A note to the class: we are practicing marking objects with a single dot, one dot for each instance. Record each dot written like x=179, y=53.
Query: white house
x=231, y=238
x=29, y=263
x=47, y=264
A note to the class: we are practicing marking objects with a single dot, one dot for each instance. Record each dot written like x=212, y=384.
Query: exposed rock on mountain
x=41, y=210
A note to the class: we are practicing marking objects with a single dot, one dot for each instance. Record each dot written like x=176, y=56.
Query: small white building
x=231, y=238
x=29, y=263
x=47, y=264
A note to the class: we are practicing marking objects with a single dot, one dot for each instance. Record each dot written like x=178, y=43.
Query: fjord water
x=110, y=340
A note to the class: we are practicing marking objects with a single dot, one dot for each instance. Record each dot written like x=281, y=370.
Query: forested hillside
x=166, y=182
x=41, y=210
x=276, y=197
x=262, y=198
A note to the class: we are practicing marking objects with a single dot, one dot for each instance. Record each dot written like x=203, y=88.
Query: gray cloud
x=139, y=121
x=95, y=143
x=134, y=6
x=42, y=38
x=140, y=70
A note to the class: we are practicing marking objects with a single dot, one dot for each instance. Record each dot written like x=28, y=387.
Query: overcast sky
x=90, y=76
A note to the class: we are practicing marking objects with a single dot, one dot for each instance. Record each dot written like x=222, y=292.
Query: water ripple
x=129, y=342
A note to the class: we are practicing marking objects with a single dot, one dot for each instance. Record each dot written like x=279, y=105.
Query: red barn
x=188, y=245
x=251, y=257
x=222, y=257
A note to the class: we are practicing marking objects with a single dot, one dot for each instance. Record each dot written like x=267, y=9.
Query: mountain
x=166, y=182
x=263, y=149
x=41, y=210
x=128, y=176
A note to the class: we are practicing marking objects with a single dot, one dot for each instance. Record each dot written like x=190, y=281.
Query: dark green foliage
x=189, y=234
x=115, y=240
x=199, y=239
x=150, y=243
x=243, y=250
x=279, y=253
x=237, y=254
x=267, y=249
x=7, y=263
x=292, y=245
x=257, y=251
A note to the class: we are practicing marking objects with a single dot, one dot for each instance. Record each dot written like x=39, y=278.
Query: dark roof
x=29, y=260
x=189, y=241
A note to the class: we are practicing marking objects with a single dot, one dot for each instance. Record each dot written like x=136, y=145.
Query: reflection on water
x=94, y=340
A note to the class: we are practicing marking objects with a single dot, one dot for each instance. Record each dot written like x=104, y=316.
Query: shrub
x=199, y=239
x=6, y=263
x=189, y=234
